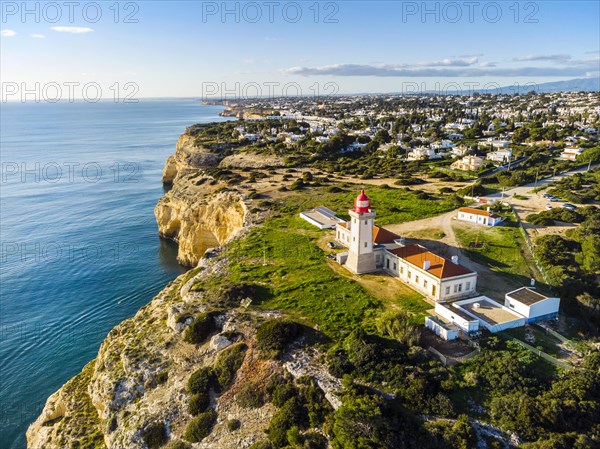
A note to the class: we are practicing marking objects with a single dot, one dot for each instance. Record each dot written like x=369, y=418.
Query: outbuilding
x=532, y=304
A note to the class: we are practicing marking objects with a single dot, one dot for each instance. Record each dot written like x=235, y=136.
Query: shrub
x=200, y=426
x=202, y=326
x=162, y=377
x=261, y=445
x=155, y=435
x=233, y=424
x=274, y=335
x=200, y=380
x=250, y=396
x=199, y=402
x=176, y=444
x=227, y=365
x=338, y=363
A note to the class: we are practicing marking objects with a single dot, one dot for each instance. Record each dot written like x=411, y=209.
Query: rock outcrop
x=199, y=218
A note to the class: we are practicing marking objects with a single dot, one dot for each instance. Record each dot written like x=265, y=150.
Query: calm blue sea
x=79, y=244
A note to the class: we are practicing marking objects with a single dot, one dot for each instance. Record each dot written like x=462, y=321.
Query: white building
x=441, y=329
x=372, y=248
x=500, y=156
x=468, y=163
x=491, y=315
x=465, y=322
x=421, y=153
x=321, y=217
x=478, y=216
x=570, y=153
x=532, y=305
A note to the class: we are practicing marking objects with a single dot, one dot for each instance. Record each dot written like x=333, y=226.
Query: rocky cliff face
x=199, y=218
x=137, y=383
x=189, y=157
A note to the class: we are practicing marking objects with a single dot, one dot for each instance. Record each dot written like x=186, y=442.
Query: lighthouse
x=361, y=258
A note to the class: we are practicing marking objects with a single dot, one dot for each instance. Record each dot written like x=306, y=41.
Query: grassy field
x=501, y=248
x=285, y=258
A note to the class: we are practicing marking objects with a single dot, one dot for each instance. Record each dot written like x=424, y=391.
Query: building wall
x=453, y=288
x=449, y=314
x=439, y=330
x=547, y=307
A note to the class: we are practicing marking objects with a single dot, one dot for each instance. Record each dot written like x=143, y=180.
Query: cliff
x=199, y=217
x=134, y=392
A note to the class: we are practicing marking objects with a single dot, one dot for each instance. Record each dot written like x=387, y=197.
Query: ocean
x=80, y=250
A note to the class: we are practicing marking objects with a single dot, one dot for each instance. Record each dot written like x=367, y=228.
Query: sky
x=129, y=50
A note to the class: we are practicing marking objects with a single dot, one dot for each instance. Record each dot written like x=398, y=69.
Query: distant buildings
x=570, y=153
x=500, y=156
x=468, y=163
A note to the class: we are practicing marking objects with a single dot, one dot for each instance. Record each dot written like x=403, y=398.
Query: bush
x=261, y=445
x=202, y=326
x=250, y=396
x=176, y=444
x=275, y=335
x=227, y=365
x=162, y=377
x=233, y=424
x=200, y=380
x=155, y=435
x=199, y=402
x=200, y=426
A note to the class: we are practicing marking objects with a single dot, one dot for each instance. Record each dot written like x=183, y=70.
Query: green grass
x=393, y=205
x=543, y=341
x=501, y=248
x=283, y=258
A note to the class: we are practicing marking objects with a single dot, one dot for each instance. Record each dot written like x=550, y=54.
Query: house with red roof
x=373, y=248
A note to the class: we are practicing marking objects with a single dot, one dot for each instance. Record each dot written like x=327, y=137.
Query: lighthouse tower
x=360, y=255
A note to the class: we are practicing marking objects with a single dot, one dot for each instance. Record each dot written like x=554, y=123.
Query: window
x=365, y=244
x=448, y=290
x=409, y=274
x=460, y=287
x=433, y=290
x=468, y=286
x=401, y=270
x=394, y=267
x=512, y=306
x=417, y=279
x=338, y=234
x=455, y=288
x=354, y=239
x=425, y=283
x=387, y=263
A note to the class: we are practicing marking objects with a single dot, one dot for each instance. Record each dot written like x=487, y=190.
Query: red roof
x=382, y=235
x=439, y=266
x=472, y=210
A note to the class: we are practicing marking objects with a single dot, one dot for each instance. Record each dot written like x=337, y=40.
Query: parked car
x=569, y=206
x=548, y=206
x=553, y=199
x=547, y=195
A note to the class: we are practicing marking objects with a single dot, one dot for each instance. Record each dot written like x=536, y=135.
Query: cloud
x=556, y=58
x=249, y=61
x=73, y=30
x=395, y=70
x=38, y=36
x=8, y=33
x=463, y=61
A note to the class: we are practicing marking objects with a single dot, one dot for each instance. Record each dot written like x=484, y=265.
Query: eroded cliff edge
x=138, y=381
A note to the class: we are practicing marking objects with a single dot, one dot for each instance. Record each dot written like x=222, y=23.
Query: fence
x=451, y=360
x=537, y=352
x=559, y=337
x=529, y=244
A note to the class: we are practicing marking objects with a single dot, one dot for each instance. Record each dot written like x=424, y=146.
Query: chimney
x=532, y=282
x=426, y=265
x=489, y=209
x=455, y=259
